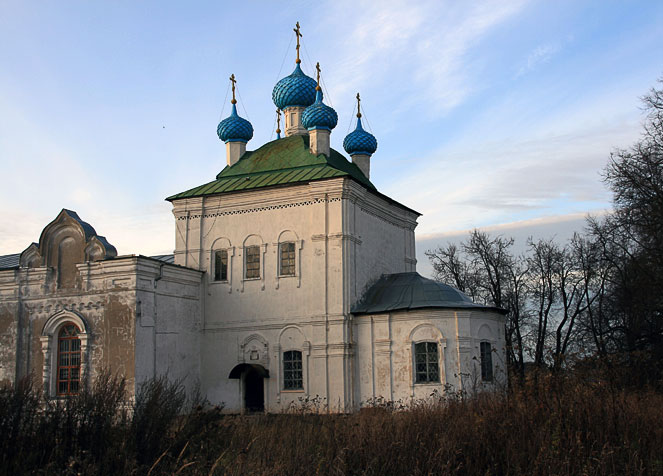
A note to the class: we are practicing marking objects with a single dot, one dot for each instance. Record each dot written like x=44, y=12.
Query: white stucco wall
x=342, y=234
x=385, y=346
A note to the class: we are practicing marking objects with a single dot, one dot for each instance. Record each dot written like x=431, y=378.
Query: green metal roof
x=280, y=162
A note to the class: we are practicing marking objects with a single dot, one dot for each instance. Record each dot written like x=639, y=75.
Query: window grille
x=221, y=265
x=69, y=361
x=252, y=262
x=292, y=370
x=486, y=362
x=287, y=252
x=426, y=362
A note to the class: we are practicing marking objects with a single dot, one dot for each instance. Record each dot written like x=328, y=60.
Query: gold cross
x=317, y=67
x=278, y=121
x=358, y=105
x=233, y=81
x=299, y=35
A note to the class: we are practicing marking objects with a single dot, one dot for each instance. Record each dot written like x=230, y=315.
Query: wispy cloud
x=497, y=181
x=541, y=55
x=418, y=50
x=558, y=227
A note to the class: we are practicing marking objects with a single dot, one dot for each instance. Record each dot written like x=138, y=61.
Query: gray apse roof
x=402, y=291
x=11, y=261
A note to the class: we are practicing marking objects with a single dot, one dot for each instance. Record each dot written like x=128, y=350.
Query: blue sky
x=497, y=114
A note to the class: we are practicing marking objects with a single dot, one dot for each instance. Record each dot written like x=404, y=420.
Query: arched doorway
x=254, y=391
x=253, y=385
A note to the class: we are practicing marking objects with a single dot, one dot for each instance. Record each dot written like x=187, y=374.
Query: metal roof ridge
x=273, y=171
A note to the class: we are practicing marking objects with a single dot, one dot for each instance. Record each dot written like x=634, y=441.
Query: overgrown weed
x=551, y=424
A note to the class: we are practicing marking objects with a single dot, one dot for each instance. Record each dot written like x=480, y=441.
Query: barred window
x=426, y=362
x=69, y=360
x=486, y=362
x=292, y=370
x=221, y=265
x=287, y=253
x=252, y=262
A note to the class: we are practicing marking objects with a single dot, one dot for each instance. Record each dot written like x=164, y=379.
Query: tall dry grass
x=549, y=425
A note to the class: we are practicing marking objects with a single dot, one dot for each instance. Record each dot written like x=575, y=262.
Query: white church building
x=292, y=278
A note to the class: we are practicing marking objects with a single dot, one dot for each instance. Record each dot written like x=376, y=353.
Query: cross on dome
x=233, y=81
x=278, y=123
x=359, y=141
x=297, y=89
x=298, y=34
x=234, y=128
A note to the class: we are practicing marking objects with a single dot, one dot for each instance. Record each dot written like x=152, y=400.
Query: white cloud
x=416, y=50
x=539, y=56
x=490, y=182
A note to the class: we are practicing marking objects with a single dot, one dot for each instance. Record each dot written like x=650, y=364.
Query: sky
x=497, y=115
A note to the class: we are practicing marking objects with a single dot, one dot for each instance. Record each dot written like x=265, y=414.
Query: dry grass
x=547, y=426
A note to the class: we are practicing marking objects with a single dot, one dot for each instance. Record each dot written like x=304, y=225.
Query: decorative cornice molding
x=62, y=305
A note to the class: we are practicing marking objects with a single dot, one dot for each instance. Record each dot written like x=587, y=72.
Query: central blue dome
x=319, y=115
x=234, y=128
x=359, y=141
x=294, y=90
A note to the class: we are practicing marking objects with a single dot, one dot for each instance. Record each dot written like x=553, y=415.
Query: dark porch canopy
x=237, y=371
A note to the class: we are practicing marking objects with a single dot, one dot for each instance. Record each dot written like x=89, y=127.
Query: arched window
x=69, y=360
x=427, y=362
x=486, y=361
x=292, y=370
x=221, y=265
x=252, y=262
x=287, y=258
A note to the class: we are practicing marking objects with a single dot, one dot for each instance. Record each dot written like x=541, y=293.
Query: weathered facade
x=129, y=312
x=292, y=278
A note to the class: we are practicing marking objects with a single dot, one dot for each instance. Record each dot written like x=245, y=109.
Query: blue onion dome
x=319, y=115
x=234, y=128
x=294, y=90
x=360, y=141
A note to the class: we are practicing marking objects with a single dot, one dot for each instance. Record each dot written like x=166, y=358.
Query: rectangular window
x=292, y=370
x=252, y=262
x=287, y=254
x=486, y=362
x=426, y=360
x=221, y=265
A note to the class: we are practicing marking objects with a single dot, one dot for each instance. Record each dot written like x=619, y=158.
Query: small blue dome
x=359, y=141
x=319, y=115
x=294, y=90
x=234, y=128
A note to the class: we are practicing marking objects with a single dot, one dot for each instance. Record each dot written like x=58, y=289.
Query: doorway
x=254, y=391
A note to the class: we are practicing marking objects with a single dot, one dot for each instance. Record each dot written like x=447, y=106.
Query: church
x=293, y=278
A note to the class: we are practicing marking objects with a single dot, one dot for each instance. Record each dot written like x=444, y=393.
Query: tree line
x=599, y=295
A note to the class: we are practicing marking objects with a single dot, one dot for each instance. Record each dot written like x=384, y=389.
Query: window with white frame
x=486, y=361
x=292, y=370
x=221, y=265
x=287, y=258
x=427, y=362
x=252, y=262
